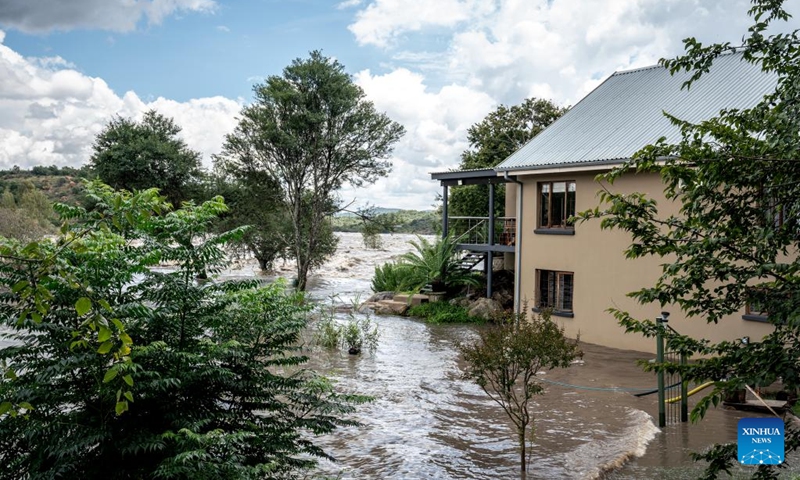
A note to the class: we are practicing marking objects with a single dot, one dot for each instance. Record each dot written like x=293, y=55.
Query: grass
x=442, y=312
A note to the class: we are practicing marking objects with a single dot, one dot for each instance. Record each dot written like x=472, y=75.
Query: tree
x=134, y=155
x=313, y=131
x=254, y=199
x=736, y=178
x=505, y=359
x=492, y=140
x=118, y=371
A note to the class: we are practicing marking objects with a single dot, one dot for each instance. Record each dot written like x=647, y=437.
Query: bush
x=392, y=277
x=442, y=312
x=119, y=371
x=355, y=334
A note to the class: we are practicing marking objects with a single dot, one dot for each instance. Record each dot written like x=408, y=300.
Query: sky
x=435, y=66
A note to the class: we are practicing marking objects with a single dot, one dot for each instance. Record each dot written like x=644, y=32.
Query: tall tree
x=313, y=131
x=736, y=178
x=138, y=155
x=492, y=140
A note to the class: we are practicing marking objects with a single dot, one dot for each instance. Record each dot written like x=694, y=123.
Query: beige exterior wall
x=602, y=274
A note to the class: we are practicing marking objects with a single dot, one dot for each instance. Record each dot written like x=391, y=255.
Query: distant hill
x=58, y=184
x=425, y=222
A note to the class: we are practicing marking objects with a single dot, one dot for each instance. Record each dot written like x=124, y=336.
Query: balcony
x=473, y=233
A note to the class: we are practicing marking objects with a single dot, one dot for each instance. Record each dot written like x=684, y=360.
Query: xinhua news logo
x=760, y=441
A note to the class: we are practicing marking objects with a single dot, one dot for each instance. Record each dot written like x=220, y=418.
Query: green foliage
x=254, y=199
x=134, y=155
x=736, y=179
x=435, y=262
x=356, y=333
x=118, y=370
x=312, y=130
x=504, y=361
x=442, y=312
x=400, y=221
x=392, y=277
x=491, y=141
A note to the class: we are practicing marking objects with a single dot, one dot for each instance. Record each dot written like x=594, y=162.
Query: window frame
x=557, y=309
x=548, y=227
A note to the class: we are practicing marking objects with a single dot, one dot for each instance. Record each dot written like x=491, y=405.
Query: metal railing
x=475, y=230
x=670, y=411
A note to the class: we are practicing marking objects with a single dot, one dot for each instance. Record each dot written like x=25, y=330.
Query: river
x=426, y=422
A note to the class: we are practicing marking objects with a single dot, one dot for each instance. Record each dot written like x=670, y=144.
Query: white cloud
x=118, y=15
x=349, y=4
x=503, y=51
x=436, y=121
x=383, y=20
x=51, y=113
x=222, y=28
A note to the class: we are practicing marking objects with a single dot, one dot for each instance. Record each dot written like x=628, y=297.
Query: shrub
x=505, y=359
x=442, y=312
x=392, y=277
x=355, y=334
x=123, y=372
x=430, y=263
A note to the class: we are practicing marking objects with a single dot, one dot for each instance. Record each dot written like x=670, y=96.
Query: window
x=554, y=290
x=756, y=308
x=556, y=204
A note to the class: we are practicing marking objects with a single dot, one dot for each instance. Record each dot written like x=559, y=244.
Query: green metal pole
x=662, y=414
x=684, y=394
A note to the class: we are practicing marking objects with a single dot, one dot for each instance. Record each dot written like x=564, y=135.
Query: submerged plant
x=356, y=333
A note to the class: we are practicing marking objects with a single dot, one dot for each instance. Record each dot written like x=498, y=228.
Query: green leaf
x=103, y=335
x=83, y=306
x=128, y=379
x=103, y=303
x=19, y=286
x=110, y=375
x=121, y=407
x=26, y=406
x=105, y=347
x=5, y=407
x=128, y=395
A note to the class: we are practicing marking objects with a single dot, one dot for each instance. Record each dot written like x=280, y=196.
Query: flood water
x=426, y=422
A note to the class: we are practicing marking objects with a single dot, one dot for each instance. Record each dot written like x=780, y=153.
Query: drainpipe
x=444, y=212
x=517, y=244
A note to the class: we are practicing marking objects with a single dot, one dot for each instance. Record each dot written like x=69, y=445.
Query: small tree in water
x=504, y=361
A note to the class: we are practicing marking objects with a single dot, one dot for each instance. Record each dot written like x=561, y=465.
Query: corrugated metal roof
x=624, y=113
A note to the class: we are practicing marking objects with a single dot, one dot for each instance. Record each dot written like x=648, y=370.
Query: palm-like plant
x=436, y=262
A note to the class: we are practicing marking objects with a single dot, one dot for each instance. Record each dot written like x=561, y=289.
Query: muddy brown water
x=426, y=422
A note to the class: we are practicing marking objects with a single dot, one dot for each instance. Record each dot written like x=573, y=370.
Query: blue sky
x=66, y=67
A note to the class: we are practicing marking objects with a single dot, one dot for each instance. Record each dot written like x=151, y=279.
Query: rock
x=389, y=307
x=377, y=297
x=367, y=307
x=485, y=308
x=503, y=298
x=461, y=302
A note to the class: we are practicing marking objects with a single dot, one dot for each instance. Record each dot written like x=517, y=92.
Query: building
x=579, y=271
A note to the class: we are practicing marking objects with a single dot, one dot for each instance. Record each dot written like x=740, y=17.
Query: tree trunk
x=262, y=264
x=522, y=466
x=302, y=275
